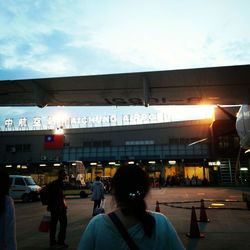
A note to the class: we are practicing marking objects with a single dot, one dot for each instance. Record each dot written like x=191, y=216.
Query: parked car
x=24, y=188
x=71, y=189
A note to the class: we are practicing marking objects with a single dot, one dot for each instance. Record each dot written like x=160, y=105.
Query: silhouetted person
x=7, y=215
x=58, y=210
x=148, y=230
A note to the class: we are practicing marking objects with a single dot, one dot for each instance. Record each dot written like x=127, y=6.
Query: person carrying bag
x=45, y=223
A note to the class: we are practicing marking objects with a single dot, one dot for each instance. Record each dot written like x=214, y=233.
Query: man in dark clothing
x=58, y=210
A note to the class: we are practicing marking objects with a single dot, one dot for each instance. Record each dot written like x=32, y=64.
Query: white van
x=24, y=188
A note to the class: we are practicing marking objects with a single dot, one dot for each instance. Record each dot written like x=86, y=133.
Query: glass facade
x=136, y=152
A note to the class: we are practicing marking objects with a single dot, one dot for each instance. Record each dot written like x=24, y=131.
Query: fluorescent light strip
x=244, y=169
x=151, y=162
x=172, y=162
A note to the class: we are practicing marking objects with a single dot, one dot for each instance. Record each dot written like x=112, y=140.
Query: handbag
x=123, y=231
x=45, y=223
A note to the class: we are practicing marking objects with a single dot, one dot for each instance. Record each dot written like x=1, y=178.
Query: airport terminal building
x=163, y=149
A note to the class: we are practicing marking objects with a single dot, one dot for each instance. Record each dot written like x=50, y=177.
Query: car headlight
x=34, y=190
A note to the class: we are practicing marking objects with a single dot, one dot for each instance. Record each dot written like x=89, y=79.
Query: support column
x=230, y=170
x=93, y=169
x=162, y=170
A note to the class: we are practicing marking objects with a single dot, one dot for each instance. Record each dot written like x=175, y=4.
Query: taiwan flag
x=53, y=141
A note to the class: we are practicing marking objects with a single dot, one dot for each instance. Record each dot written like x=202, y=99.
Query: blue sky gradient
x=44, y=38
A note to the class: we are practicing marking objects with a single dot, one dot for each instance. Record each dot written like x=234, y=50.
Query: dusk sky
x=44, y=38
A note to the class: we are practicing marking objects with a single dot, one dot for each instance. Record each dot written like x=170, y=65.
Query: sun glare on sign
x=188, y=112
x=60, y=118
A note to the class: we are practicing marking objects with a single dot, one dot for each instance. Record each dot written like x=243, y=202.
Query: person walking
x=130, y=225
x=97, y=193
x=58, y=210
x=7, y=215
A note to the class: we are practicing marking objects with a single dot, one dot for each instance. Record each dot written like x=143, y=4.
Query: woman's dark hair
x=130, y=185
x=4, y=189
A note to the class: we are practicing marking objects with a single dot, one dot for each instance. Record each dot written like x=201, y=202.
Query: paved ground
x=227, y=229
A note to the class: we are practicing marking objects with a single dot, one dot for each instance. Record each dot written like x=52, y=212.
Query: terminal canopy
x=217, y=85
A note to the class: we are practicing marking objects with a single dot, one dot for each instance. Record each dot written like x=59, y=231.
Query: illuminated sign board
x=52, y=122
x=214, y=163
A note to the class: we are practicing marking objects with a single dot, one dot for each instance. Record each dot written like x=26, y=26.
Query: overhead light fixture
x=172, y=162
x=42, y=165
x=244, y=169
x=111, y=163
x=151, y=162
x=73, y=164
x=214, y=163
x=93, y=163
x=8, y=166
x=24, y=167
x=131, y=162
x=217, y=204
x=57, y=164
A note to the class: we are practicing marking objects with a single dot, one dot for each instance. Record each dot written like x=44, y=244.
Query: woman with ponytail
x=130, y=226
x=7, y=215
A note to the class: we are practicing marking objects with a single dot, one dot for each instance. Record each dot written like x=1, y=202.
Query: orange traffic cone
x=203, y=214
x=194, y=228
x=157, y=208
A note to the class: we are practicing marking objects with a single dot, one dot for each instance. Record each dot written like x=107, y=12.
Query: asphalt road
x=229, y=226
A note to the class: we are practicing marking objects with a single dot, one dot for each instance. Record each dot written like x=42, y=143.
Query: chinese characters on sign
x=37, y=123
x=9, y=124
x=23, y=123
